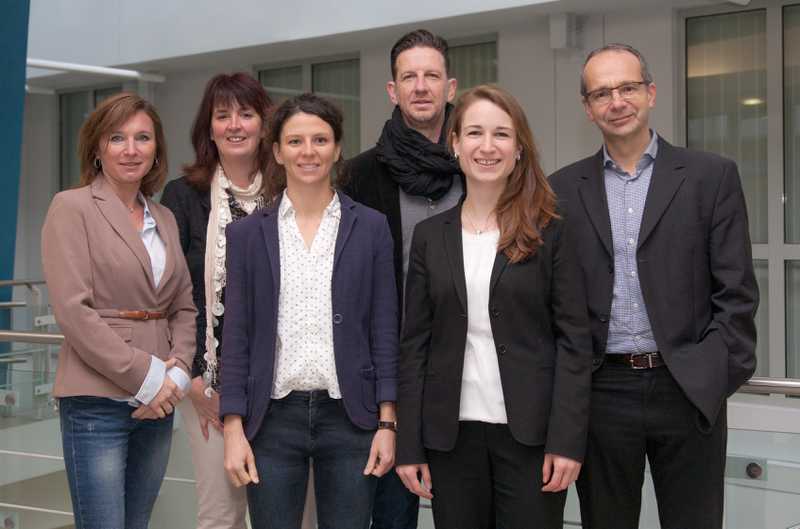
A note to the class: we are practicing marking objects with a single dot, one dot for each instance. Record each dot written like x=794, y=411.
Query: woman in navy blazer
x=310, y=335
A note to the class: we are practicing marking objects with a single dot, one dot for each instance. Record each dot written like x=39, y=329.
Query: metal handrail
x=20, y=282
x=31, y=337
x=757, y=385
x=4, y=305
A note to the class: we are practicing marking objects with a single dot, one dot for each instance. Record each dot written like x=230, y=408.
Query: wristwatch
x=387, y=425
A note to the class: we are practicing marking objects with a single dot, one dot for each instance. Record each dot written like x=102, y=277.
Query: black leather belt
x=637, y=360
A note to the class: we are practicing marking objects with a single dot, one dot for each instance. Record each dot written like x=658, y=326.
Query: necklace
x=478, y=231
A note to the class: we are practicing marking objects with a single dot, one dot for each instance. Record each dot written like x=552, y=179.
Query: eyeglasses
x=604, y=96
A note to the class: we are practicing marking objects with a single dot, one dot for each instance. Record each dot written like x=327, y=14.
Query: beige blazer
x=94, y=262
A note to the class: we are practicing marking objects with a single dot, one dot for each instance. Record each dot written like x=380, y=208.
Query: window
x=737, y=106
x=338, y=81
x=74, y=108
x=473, y=64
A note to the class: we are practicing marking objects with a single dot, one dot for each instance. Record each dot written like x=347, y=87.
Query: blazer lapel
x=593, y=194
x=113, y=210
x=454, y=249
x=346, y=222
x=169, y=244
x=500, y=263
x=668, y=175
x=269, y=229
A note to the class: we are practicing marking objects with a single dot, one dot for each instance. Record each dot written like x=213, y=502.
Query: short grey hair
x=647, y=77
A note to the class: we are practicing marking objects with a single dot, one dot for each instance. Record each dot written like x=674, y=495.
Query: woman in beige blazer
x=121, y=293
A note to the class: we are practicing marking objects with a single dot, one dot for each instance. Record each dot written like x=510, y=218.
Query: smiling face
x=127, y=152
x=421, y=87
x=237, y=131
x=619, y=119
x=307, y=150
x=487, y=146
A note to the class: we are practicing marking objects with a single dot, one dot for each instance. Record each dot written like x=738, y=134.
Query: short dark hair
x=224, y=90
x=647, y=77
x=419, y=38
x=308, y=103
x=113, y=113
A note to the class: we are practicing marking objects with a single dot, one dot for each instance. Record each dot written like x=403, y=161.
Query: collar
x=649, y=153
x=286, y=207
x=149, y=222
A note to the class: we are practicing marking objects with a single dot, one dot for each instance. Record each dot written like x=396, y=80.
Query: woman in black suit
x=494, y=379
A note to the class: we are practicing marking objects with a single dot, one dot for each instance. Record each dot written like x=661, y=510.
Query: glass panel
x=762, y=317
x=793, y=319
x=474, y=64
x=341, y=83
x=791, y=120
x=74, y=109
x=102, y=94
x=726, y=99
x=282, y=83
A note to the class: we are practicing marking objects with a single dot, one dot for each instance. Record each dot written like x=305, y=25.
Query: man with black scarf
x=409, y=176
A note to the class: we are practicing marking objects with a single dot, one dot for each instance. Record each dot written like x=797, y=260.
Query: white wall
x=544, y=80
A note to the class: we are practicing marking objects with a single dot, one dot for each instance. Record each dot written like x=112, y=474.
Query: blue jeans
x=115, y=464
x=300, y=426
x=395, y=507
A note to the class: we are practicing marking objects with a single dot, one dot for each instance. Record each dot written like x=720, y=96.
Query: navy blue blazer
x=364, y=315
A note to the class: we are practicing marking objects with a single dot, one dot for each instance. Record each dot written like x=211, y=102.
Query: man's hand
x=240, y=463
x=558, y=472
x=417, y=479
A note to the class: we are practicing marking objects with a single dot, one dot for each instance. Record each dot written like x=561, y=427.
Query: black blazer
x=191, y=208
x=695, y=267
x=540, y=329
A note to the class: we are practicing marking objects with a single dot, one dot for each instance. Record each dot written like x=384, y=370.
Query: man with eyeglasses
x=671, y=293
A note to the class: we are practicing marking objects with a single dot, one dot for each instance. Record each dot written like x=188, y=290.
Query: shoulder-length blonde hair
x=527, y=204
x=109, y=115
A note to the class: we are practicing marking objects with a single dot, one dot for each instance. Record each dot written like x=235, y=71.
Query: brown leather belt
x=143, y=315
x=637, y=360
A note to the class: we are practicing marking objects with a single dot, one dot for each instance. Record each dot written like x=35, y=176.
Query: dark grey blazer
x=695, y=267
x=538, y=317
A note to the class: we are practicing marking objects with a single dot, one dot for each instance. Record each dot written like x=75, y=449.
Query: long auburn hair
x=223, y=90
x=110, y=114
x=527, y=204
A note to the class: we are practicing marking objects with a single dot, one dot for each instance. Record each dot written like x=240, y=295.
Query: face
x=421, y=87
x=620, y=118
x=307, y=150
x=127, y=152
x=236, y=130
x=487, y=146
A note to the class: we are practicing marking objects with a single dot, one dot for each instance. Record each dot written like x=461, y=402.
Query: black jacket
x=191, y=208
x=695, y=267
x=539, y=323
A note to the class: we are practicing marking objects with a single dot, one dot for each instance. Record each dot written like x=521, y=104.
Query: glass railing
x=762, y=475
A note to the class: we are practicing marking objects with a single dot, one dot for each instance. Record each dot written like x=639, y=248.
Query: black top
x=191, y=208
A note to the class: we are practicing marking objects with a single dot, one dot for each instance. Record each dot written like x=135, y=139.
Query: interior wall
x=544, y=80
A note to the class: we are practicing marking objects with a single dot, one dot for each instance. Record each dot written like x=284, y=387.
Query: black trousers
x=490, y=480
x=644, y=413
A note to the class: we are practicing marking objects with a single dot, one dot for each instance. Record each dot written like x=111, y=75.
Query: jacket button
x=501, y=349
x=603, y=318
x=337, y=319
x=495, y=313
x=611, y=269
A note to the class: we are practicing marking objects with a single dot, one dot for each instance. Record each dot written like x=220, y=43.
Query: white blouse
x=304, y=351
x=481, y=388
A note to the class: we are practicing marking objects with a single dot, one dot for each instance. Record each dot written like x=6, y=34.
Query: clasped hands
x=165, y=400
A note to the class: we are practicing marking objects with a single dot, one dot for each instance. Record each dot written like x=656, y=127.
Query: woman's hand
x=165, y=400
x=558, y=472
x=240, y=463
x=381, y=454
x=417, y=479
x=207, y=408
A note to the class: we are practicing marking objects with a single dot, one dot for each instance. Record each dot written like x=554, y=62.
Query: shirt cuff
x=180, y=378
x=152, y=382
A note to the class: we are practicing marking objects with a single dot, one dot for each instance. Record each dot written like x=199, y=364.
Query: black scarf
x=416, y=164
